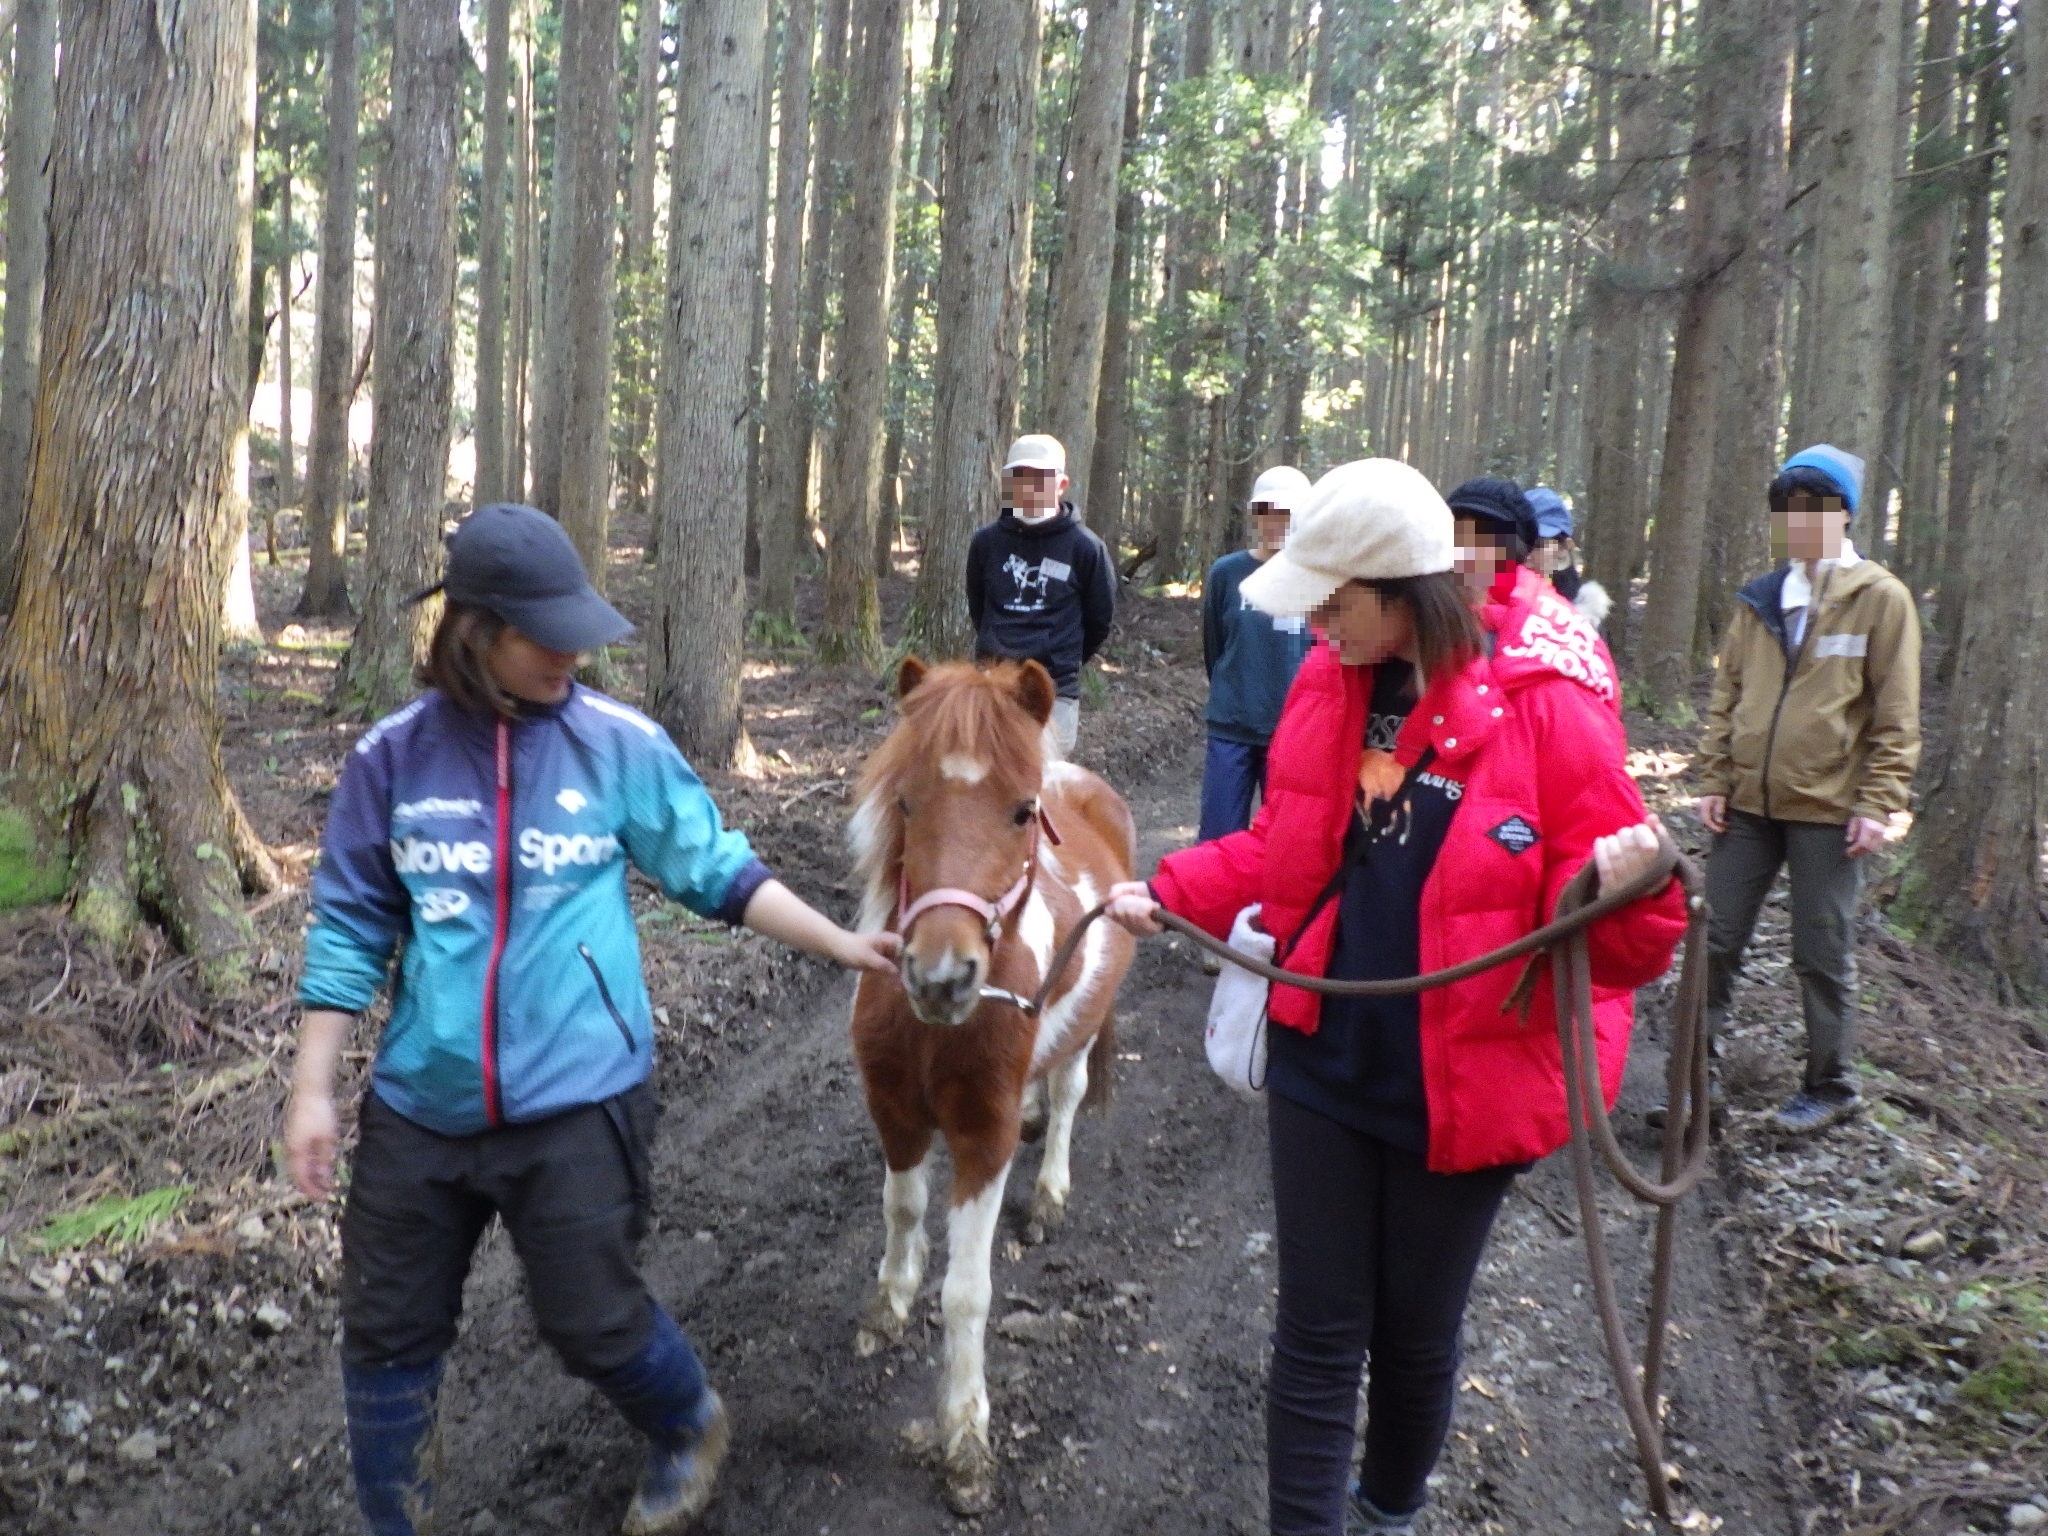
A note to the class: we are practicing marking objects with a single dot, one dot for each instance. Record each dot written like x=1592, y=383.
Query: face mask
x=1024, y=516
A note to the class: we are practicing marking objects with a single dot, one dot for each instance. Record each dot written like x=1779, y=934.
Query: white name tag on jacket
x=1842, y=645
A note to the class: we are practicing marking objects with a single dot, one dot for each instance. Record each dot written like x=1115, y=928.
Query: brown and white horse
x=983, y=857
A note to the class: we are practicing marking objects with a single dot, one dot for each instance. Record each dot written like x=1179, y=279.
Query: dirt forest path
x=1130, y=1398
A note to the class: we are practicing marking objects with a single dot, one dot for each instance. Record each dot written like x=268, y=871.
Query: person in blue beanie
x=1809, y=752
x=484, y=832
x=1556, y=555
x=1251, y=659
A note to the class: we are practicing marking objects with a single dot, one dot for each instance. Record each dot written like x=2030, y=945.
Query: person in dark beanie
x=1809, y=751
x=483, y=833
x=1525, y=614
x=1556, y=555
x=1040, y=585
x=1251, y=658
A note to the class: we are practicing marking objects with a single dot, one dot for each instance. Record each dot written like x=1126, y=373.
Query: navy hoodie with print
x=1042, y=592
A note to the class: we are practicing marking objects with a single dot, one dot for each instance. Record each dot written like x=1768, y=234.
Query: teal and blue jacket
x=494, y=853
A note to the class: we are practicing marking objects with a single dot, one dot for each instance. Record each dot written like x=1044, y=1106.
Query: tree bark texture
x=287, y=473
x=30, y=113
x=1848, y=370
x=1974, y=882
x=572, y=405
x=852, y=630
x=115, y=788
x=491, y=440
x=827, y=191
x=785, y=462
x=1108, y=464
x=984, y=256
x=334, y=335
x=1088, y=234
x=694, y=649
x=641, y=262
x=1708, y=325
x=413, y=369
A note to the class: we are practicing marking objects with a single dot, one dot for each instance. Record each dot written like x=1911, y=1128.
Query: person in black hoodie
x=1040, y=585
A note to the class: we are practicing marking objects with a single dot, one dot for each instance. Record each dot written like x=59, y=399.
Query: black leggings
x=1377, y=1256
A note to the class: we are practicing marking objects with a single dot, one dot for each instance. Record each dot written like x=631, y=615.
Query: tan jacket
x=1833, y=730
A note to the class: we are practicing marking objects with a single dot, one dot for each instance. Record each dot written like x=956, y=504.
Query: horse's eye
x=1024, y=813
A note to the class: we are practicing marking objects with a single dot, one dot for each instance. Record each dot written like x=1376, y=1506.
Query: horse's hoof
x=970, y=1475
x=880, y=1327
x=1047, y=1215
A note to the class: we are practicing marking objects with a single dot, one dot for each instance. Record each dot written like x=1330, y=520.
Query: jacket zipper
x=605, y=992
x=494, y=1109
x=1784, y=688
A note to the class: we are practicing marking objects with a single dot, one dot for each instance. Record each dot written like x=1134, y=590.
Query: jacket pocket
x=605, y=992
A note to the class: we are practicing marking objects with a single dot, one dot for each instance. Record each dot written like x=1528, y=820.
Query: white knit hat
x=1283, y=487
x=1370, y=520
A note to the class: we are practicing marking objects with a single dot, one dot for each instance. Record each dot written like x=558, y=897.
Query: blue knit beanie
x=1842, y=471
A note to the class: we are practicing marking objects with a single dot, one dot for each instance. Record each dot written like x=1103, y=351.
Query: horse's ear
x=1035, y=691
x=909, y=675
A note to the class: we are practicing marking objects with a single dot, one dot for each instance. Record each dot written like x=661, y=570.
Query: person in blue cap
x=484, y=833
x=1810, y=746
x=1556, y=555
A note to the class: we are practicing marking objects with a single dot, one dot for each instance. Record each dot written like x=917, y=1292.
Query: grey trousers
x=1826, y=884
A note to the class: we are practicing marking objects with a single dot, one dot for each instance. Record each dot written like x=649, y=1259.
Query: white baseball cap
x=1037, y=450
x=1282, y=487
x=1369, y=520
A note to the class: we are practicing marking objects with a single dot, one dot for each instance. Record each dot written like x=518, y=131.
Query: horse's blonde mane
x=957, y=709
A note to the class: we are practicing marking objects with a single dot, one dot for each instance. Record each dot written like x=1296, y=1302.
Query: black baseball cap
x=518, y=563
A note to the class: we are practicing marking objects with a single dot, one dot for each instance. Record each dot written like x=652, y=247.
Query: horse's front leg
x=963, y=1401
x=905, y=1193
x=1067, y=1085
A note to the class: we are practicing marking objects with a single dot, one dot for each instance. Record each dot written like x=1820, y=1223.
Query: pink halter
x=992, y=913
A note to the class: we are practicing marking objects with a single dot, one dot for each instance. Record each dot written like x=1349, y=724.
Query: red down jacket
x=1526, y=738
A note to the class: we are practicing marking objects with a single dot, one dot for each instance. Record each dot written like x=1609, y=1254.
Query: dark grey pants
x=572, y=1192
x=1826, y=884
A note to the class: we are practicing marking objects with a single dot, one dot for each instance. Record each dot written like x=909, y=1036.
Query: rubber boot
x=390, y=1433
x=662, y=1393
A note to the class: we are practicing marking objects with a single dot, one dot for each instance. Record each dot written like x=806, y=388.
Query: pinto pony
x=983, y=857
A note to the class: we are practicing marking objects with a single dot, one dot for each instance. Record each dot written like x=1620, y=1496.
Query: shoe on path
x=1717, y=1106
x=677, y=1483
x=1806, y=1113
x=1363, y=1519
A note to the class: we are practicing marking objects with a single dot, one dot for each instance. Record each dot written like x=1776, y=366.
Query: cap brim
x=579, y=621
x=1286, y=589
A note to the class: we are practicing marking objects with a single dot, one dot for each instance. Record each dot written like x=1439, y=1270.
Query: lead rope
x=1686, y=1141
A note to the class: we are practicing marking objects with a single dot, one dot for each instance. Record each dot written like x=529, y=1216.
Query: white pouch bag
x=1236, y=1036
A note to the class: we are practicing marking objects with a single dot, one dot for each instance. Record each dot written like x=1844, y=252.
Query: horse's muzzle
x=947, y=990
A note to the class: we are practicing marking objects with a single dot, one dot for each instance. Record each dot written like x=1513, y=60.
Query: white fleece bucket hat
x=1369, y=520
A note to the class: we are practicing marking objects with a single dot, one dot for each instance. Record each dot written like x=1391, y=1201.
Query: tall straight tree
x=853, y=484
x=827, y=190
x=114, y=788
x=641, y=262
x=694, y=647
x=413, y=367
x=1073, y=366
x=492, y=481
x=984, y=255
x=1846, y=372
x=29, y=117
x=1107, y=464
x=572, y=395
x=785, y=462
x=1974, y=883
x=325, y=595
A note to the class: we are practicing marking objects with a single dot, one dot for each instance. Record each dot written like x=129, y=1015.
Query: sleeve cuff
x=752, y=876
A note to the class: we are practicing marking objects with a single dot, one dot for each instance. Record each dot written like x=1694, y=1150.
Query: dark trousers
x=1377, y=1256
x=572, y=1192
x=1233, y=774
x=1826, y=884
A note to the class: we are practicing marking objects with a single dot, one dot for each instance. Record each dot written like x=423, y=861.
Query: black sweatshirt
x=1041, y=592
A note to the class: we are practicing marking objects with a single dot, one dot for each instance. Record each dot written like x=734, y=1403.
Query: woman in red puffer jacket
x=1426, y=803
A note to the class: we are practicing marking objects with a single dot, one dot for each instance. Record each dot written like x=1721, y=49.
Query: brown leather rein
x=1562, y=941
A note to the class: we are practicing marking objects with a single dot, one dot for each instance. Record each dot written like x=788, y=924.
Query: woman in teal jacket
x=484, y=831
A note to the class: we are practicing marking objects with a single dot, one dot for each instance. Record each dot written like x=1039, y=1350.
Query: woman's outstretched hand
x=1132, y=908
x=1623, y=855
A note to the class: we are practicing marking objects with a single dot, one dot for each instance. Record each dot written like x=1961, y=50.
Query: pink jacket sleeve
x=1586, y=793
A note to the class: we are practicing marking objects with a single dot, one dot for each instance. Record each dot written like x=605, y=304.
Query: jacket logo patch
x=1515, y=835
x=571, y=801
x=1841, y=645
